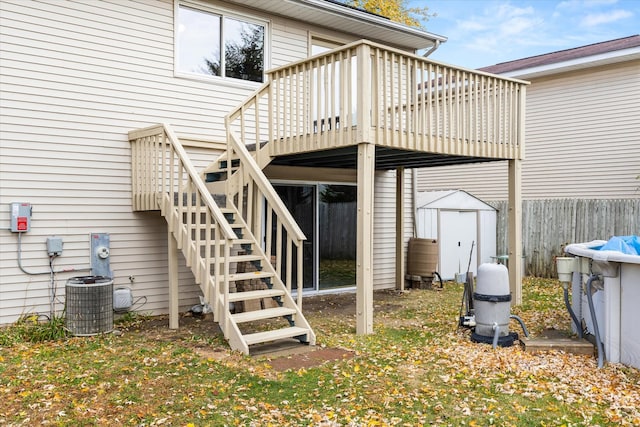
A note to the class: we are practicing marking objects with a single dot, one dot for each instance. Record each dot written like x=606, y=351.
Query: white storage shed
x=464, y=226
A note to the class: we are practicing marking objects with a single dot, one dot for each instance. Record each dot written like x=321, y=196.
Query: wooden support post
x=515, y=231
x=363, y=115
x=364, y=252
x=400, y=228
x=172, y=255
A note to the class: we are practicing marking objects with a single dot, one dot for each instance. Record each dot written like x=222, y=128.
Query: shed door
x=458, y=230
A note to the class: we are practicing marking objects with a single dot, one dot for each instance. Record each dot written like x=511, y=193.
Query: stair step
x=233, y=226
x=251, y=295
x=249, y=276
x=267, y=313
x=245, y=258
x=203, y=242
x=277, y=334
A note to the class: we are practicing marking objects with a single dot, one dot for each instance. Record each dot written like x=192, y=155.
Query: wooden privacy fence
x=337, y=230
x=549, y=225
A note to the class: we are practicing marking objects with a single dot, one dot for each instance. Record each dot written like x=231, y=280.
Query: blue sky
x=487, y=32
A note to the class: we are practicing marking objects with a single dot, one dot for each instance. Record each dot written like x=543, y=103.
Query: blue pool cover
x=629, y=245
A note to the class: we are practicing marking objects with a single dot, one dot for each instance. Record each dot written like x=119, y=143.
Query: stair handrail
x=265, y=187
x=221, y=299
x=227, y=231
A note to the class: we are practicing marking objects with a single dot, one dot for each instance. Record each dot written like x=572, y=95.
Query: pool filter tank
x=492, y=304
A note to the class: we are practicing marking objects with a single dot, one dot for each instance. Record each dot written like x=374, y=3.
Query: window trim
x=323, y=40
x=222, y=13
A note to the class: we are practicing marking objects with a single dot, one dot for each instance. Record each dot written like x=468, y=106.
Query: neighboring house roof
x=618, y=50
x=336, y=16
x=450, y=199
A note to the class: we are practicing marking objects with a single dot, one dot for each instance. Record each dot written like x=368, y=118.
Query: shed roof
x=595, y=54
x=337, y=16
x=450, y=199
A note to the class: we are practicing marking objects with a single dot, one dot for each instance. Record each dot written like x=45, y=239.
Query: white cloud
x=594, y=19
x=500, y=27
x=472, y=25
x=582, y=4
x=519, y=26
x=492, y=31
x=507, y=11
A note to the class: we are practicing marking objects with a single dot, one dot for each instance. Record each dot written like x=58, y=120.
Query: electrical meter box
x=54, y=246
x=20, y=217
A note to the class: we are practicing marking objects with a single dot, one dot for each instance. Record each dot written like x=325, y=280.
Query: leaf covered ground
x=417, y=369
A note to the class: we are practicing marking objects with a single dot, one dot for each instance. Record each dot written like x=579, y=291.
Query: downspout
x=433, y=49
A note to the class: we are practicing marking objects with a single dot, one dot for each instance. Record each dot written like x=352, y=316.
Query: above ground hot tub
x=617, y=300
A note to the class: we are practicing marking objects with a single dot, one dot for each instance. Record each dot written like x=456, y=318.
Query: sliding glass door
x=336, y=236
x=326, y=213
x=301, y=202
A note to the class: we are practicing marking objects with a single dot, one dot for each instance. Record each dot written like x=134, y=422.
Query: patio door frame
x=315, y=289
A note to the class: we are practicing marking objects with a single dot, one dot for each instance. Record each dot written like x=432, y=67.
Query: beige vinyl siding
x=384, y=224
x=582, y=140
x=289, y=42
x=75, y=78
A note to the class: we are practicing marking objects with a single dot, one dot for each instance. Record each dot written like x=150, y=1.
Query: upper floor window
x=217, y=45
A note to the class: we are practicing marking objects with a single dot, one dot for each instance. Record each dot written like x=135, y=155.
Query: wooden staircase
x=217, y=238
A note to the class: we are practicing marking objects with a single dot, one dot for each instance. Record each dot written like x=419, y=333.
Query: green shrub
x=32, y=328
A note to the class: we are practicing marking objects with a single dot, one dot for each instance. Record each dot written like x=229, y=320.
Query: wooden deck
x=369, y=93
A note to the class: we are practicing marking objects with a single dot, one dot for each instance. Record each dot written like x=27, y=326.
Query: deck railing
x=366, y=92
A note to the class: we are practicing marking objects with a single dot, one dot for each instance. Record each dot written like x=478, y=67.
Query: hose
x=571, y=312
x=439, y=279
x=496, y=332
x=524, y=328
x=595, y=321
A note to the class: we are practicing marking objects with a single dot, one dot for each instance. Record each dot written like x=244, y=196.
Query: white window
x=215, y=44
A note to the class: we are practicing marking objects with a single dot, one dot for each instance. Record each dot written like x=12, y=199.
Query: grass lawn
x=336, y=273
x=417, y=369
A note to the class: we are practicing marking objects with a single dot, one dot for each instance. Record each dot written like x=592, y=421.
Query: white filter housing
x=493, y=279
x=492, y=300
